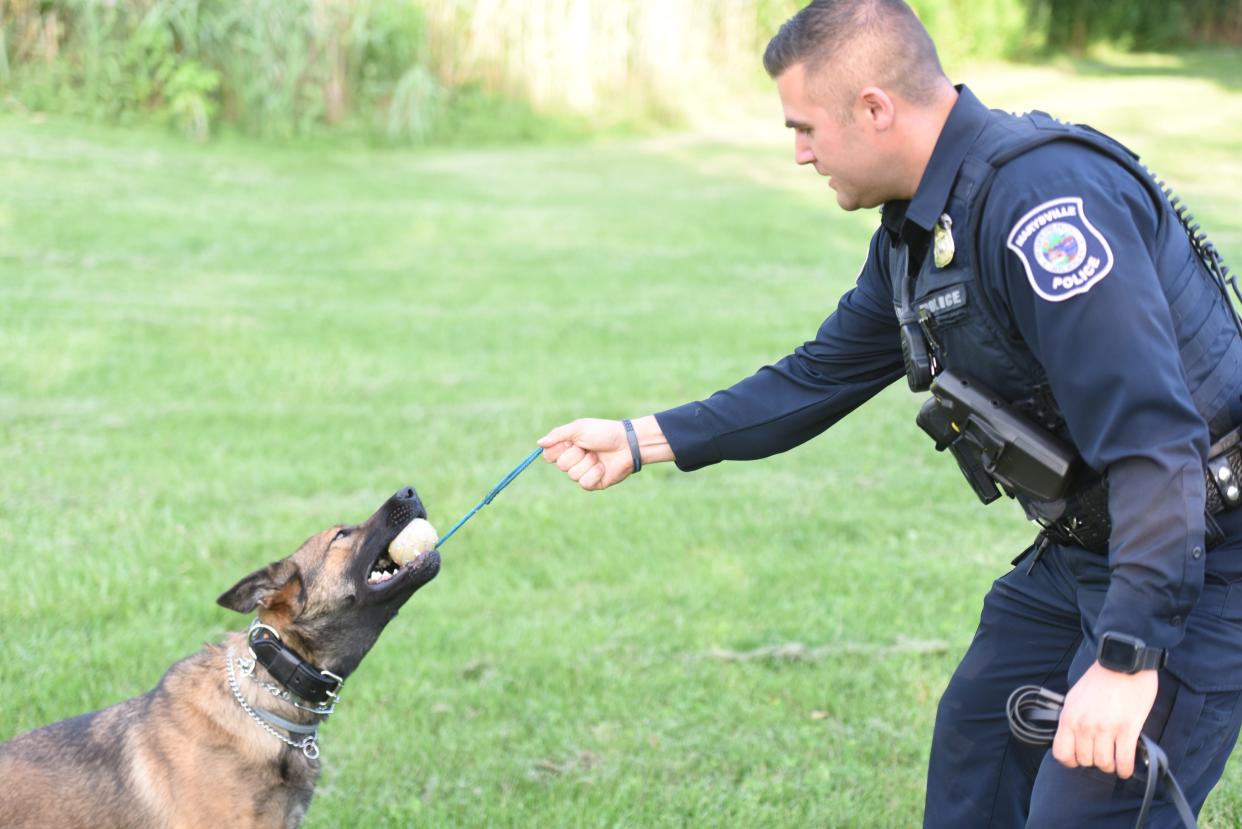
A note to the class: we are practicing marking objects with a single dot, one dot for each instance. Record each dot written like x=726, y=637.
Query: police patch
x=1064, y=255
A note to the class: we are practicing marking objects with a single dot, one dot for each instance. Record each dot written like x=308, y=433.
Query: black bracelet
x=633, y=439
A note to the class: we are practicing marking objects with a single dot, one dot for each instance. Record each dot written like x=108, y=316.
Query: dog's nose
x=400, y=509
x=405, y=505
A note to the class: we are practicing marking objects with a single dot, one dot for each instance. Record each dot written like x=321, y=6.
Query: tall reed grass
x=412, y=69
x=585, y=54
x=273, y=67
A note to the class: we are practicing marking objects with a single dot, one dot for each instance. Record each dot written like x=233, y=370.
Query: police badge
x=1064, y=255
x=942, y=241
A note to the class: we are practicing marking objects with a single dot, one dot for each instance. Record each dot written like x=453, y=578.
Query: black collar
x=289, y=669
x=966, y=120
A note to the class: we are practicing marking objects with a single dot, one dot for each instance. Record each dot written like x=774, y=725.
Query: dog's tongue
x=417, y=538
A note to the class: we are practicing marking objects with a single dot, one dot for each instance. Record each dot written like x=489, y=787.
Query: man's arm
x=854, y=355
x=1104, y=334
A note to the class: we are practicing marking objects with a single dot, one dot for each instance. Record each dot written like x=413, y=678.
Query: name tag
x=943, y=301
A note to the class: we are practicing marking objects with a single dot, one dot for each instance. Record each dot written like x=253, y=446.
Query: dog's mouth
x=399, y=555
x=406, y=552
x=406, y=559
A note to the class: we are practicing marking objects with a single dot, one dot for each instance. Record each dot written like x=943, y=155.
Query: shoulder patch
x=1064, y=255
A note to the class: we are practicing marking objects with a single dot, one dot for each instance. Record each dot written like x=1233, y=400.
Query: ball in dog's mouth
x=417, y=538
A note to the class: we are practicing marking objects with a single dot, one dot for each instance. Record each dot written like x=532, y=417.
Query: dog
x=227, y=738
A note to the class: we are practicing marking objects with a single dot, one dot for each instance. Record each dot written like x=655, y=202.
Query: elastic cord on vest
x=633, y=439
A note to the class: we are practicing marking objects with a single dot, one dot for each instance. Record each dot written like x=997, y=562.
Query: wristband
x=633, y=439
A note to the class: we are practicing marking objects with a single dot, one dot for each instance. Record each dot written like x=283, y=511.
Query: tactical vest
x=966, y=334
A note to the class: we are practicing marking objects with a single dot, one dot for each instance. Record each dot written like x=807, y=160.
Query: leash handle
x=504, y=482
x=1033, y=715
x=1158, y=768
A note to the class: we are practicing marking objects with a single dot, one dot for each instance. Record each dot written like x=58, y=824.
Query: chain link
x=308, y=745
x=247, y=667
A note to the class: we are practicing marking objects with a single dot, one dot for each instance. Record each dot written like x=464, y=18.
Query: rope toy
x=508, y=479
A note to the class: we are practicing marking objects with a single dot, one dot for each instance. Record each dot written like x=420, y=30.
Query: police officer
x=1041, y=261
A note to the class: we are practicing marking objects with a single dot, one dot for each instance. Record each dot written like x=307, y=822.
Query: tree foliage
x=1147, y=24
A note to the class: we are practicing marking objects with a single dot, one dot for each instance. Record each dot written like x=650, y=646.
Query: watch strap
x=1137, y=655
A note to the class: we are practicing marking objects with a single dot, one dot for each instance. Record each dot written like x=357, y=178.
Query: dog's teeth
x=381, y=576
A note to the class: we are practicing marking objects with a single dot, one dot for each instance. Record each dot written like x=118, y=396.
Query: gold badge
x=943, y=241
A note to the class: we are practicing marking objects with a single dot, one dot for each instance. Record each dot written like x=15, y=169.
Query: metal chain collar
x=308, y=745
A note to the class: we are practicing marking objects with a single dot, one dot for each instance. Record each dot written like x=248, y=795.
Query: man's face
x=842, y=150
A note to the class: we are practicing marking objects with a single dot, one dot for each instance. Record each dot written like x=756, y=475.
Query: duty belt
x=1086, y=522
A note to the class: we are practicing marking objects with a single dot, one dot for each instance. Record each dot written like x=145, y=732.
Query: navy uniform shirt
x=1109, y=351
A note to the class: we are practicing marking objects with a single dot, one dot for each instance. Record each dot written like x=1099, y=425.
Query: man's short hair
x=859, y=42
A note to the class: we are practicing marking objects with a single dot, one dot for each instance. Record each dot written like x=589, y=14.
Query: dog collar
x=309, y=744
x=312, y=684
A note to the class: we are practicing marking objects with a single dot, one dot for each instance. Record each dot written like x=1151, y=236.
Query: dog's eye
x=339, y=535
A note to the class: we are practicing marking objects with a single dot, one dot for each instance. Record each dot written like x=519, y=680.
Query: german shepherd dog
x=226, y=739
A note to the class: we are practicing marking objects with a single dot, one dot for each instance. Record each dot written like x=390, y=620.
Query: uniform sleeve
x=1074, y=266
x=855, y=354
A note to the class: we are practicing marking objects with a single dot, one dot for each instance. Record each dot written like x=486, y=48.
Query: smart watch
x=1128, y=654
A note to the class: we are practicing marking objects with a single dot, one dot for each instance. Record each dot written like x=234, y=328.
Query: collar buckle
x=334, y=694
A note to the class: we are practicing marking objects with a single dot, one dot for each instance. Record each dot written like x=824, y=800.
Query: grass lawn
x=208, y=353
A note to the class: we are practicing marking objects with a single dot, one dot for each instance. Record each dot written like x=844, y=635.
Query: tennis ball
x=417, y=538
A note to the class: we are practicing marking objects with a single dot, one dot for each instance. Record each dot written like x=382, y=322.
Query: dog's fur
x=186, y=754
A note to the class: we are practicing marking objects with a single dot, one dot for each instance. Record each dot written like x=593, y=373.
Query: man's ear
x=879, y=107
x=277, y=587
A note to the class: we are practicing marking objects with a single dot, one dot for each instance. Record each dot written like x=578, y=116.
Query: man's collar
x=966, y=120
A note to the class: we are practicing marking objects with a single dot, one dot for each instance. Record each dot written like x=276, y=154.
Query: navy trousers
x=1035, y=630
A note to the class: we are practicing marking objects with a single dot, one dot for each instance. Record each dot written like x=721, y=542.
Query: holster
x=994, y=444
x=996, y=447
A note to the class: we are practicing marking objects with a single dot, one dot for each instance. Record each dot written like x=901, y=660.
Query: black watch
x=1128, y=654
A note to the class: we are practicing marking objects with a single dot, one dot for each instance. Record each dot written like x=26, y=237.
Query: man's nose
x=803, y=154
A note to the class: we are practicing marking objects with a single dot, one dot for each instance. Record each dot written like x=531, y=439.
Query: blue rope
x=495, y=491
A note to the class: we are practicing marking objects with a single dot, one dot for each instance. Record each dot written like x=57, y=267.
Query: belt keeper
x=633, y=439
x=1224, y=480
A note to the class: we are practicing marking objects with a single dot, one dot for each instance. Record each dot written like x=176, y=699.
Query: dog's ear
x=277, y=587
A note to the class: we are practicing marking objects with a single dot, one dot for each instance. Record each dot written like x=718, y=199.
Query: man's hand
x=596, y=453
x=1103, y=716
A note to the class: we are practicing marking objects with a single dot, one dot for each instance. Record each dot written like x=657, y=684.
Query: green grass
x=208, y=353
